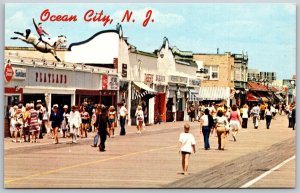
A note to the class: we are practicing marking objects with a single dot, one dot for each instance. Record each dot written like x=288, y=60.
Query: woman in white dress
x=75, y=122
x=140, y=119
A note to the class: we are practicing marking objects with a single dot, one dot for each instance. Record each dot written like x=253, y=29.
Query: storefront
x=142, y=95
x=261, y=92
x=193, y=96
x=12, y=95
x=49, y=96
x=176, y=98
x=29, y=80
x=109, y=90
x=160, y=107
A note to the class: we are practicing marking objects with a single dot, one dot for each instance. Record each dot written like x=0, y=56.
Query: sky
x=267, y=32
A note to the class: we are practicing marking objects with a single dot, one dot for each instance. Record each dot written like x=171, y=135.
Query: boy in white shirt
x=186, y=145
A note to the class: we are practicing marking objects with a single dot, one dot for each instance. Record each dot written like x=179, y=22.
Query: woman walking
x=85, y=122
x=268, y=114
x=235, y=122
x=140, y=119
x=221, y=123
x=45, y=121
x=96, y=137
x=18, y=116
x=65, y=122
x=186, y=145
x=245, y=116
x=102, y=125
x=34, y=125
x=111, y=119
x=75, y=122
x=56, y=120
x=206, y=123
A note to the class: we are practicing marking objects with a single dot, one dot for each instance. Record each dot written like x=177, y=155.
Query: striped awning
x=141, y=90
x=279, y=97
x=214, y=93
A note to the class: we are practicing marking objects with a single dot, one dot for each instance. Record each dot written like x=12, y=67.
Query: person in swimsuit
x=111, y=120
x=85, y=122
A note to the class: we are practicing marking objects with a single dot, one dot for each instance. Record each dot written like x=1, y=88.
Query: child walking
x=186, y=145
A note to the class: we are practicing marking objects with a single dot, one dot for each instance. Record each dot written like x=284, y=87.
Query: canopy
x=264, y=99
x=214, y=93
x=145, y=90
x=279, y=97
x=251, y=97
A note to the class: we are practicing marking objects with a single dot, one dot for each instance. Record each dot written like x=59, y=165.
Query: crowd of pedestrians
x=31, y=123
x=222, y=121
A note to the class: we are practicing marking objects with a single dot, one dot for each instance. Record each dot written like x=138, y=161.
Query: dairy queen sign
x=8, y=72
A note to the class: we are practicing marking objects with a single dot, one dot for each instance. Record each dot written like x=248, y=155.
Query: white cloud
x=163, y=19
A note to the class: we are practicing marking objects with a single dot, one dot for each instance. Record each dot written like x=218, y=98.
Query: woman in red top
x=235, y=122
x=41, y=32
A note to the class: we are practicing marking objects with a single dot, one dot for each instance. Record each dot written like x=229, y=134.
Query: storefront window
x=213, y=72
x=169, y=104
x=180, y=104
x=10, y=101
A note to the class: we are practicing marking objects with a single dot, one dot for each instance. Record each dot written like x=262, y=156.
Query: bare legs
x=55, y=133
x=185, y=162
x=112, y=129
x=139, y=127
x=83, y=129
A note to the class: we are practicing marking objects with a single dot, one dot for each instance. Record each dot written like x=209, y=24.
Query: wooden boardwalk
x=151, y=160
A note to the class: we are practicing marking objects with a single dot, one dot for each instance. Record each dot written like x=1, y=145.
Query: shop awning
x=264, y=99
x=214, y=93
x=251, y=97
x=145, y=90
x=279, y=97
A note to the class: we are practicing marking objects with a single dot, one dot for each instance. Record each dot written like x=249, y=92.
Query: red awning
x=251, y=97
x=263, y=97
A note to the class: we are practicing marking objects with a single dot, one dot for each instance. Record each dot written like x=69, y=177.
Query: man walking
x=255, y=113
x=123, y=113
